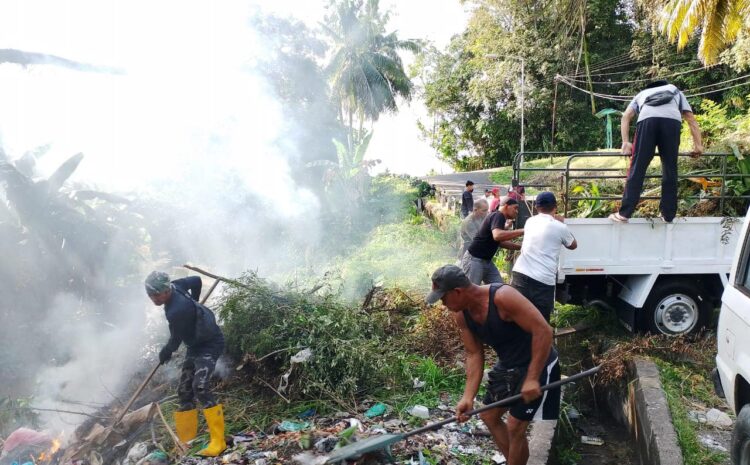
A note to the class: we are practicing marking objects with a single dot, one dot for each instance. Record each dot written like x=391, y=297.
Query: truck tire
x=676, y=308
x=740, y=446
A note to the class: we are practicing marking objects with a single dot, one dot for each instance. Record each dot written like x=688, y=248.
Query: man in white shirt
x=535, y=271
x=661, y=107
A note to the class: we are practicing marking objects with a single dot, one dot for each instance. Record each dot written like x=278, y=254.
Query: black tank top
x=511, y=343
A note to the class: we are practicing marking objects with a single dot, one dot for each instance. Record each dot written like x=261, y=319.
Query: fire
x=48, y=454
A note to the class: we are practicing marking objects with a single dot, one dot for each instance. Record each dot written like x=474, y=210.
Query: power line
x=627, y=70
x=719, y=90
x=610, y=83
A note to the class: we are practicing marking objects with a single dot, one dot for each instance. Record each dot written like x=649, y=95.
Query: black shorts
x=540, y=294
x=506, y=382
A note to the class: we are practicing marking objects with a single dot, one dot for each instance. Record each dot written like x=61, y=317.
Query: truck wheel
x=740, y=445
x=675, y=308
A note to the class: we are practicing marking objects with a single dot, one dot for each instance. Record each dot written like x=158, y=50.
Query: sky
x=103, y=32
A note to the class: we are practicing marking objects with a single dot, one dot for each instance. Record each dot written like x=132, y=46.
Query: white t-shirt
x=543, y=236
x=671, y=110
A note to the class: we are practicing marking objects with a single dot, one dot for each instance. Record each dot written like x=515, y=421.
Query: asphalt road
x=457, y=181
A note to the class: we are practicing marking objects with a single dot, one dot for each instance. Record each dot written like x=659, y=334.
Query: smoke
x=187, y=132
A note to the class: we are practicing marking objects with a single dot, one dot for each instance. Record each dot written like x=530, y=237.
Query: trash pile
x=309, y=439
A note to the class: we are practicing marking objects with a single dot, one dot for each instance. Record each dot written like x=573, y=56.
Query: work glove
x=164, y=355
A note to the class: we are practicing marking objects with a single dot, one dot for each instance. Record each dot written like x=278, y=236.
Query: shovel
x=383, y=442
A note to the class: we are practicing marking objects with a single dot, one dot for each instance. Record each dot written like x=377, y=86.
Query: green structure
x=607, y=113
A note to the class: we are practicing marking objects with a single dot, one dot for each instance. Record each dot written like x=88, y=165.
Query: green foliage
x=15, y=413
x=352, y=352
x=680, y=384
x=593, y=208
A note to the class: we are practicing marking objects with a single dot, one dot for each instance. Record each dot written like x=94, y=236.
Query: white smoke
x=186, y=126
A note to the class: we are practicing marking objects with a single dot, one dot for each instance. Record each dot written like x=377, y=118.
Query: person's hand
x=697, y=151
x=627, y=148
x=164, y=355
x=530, y=390
x=463, y=406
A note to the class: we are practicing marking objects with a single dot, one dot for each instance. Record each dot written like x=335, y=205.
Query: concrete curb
x=542, y=434
x=649, y=417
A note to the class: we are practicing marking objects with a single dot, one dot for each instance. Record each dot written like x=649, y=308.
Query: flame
x=48, y=454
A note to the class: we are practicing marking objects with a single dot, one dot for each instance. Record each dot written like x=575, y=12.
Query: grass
x=679, y=386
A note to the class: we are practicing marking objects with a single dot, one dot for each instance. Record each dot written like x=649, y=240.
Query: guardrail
x=568, y=173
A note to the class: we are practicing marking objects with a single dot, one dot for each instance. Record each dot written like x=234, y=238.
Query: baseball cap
x=545, y=199
x=469, y=182
x=157, y=282
x=444, y=279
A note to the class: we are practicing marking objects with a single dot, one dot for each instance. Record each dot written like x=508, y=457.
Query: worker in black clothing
x=500, y=317
x=194, y=324
x=467, y=200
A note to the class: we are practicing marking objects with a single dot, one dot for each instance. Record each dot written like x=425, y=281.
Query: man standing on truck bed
x=497, y=315
x=477, y=260
x=535, y=271
x=661, y=107
x=194, y=324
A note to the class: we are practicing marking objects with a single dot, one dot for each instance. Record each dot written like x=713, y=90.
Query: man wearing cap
x=194, y=324
x=467, y=199
x=535, y=271
x=477, y=260
x=470, y=225
x=499, y=316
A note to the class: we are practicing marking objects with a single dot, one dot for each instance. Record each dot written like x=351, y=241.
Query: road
x=455, y=182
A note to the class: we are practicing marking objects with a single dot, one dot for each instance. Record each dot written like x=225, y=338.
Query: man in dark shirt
x=500, y=317
x=194, y=324
x=477, y=260
x=467, y=200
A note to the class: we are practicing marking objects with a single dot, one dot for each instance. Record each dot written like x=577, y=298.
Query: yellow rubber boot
x=215, y=421
x=186, y=425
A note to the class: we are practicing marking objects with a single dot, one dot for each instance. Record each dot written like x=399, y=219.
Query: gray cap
x=444, y=279
x=157, y=282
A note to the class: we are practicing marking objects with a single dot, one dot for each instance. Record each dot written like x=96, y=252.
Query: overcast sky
x=101, y=32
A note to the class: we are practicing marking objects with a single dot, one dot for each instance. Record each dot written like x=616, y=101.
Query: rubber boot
x=186, y=425
x=215, y=421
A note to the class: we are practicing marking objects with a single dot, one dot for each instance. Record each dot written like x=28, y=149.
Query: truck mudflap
x=716, y=379
x=627, y=314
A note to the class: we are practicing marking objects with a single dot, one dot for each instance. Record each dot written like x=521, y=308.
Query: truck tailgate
x=644, y=246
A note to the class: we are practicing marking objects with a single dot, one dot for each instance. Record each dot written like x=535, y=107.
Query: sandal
x=617, y=217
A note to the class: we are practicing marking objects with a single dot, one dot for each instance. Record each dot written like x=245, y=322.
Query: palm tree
x=719, y=21
x=366, y=72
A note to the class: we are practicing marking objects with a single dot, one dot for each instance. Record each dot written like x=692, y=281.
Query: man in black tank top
x=499, y=316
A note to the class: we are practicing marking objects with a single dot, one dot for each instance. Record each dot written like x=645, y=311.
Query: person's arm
x=627, y=147
x=695, y=132
x=568, y=240
x=502, y=235
x=518, y=309
x=191, y=285
x=510, y=245
x=474, y=367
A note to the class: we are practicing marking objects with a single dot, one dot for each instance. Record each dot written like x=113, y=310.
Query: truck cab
x=732, y=374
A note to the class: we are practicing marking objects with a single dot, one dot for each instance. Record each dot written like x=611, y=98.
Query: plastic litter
x=309, y=413
x=376, y=410
x=302, y=356
x=419, y=384
x=25, y=437
x=156, y=457
x=136, y=453
x=420, y=411
x=292, y=426
x=498, y=458
x=592, y=440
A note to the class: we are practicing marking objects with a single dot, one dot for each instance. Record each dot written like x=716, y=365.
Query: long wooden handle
x=135, y=395
x=502, y=403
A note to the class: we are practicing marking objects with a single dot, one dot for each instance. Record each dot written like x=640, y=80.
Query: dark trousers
x=194, y=381
x=650, y=133
x=540, y=294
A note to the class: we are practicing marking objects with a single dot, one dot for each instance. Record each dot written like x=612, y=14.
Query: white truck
x=732, y=373
x=666, y=278
x=661, y=277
